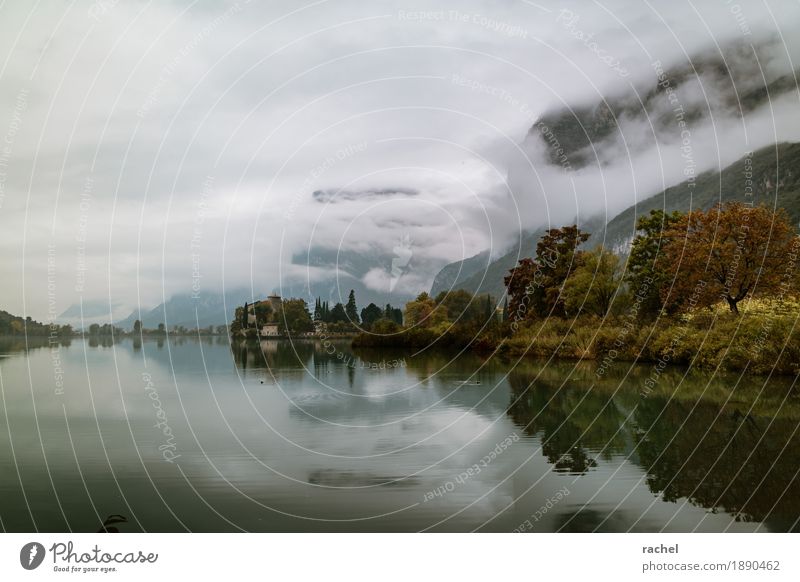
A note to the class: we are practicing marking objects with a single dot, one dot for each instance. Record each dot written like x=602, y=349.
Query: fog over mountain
x=172, y=148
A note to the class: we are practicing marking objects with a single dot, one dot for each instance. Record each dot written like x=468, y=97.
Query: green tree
x=337, y=314
x=294, y=317
x=592, y=286
x=384, y=326
x=264, y=313
x=352, y=309
x=370, y=314
x=318, y=310
x=137, y=327
x=457, y=305
x=645, y=276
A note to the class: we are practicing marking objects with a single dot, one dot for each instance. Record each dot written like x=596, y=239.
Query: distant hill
x=775, y=181
x=184, y=310
x=458, y=271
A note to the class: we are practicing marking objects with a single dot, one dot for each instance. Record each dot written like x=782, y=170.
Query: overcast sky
x=188, y=138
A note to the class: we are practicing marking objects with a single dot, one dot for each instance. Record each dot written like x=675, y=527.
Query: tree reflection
x=575, y=425
x=717, y=456
x=722, y=459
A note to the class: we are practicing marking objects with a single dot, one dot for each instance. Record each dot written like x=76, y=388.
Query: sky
x=154, y=148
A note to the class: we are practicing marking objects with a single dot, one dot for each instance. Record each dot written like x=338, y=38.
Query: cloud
x=204, y=131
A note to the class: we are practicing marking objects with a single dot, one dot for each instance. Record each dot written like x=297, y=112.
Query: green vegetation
x=12, y=325
x=450, y=320
x=713, y=289
x=292, y=318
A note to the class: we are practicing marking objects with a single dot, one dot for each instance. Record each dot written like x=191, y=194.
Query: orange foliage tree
x=728, y=253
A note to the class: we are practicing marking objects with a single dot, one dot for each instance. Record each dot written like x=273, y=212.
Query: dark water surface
x=196, y=435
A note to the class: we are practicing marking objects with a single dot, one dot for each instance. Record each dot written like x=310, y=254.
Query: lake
x=192, y=434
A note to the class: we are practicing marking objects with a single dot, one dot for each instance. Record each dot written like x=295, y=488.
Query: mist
x=150, y=149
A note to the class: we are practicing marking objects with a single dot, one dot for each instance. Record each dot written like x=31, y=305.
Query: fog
x=152, y=147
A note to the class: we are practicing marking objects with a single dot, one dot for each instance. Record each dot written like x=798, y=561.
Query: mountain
x=190, y=312
x=84, y=314
x=774, y=173
x=731, y=86
x=775, y=176
x=348, y=270
x=479, y=275
x=458, y=271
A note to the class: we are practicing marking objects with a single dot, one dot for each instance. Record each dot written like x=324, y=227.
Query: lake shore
x=755, y=343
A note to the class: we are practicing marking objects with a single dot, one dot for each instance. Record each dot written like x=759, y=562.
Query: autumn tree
x=728, y=253
x=593, y=285
x=419, y=311
x=535, y=285
x=644, y=275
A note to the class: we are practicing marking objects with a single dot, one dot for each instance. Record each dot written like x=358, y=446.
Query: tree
x=728, y=253
x=337, y=314
x=352, y=309
x=162, y=329
x=535, y=285
x=370, y=314
x=294, y=318
x=94, y=329
x=385, y=326
x=263, y=313
x=592, y=286
x=419, y=311
x=457, y=305
x=318, y=310
x=488, y=311
x=137, y=327
x=645, y=277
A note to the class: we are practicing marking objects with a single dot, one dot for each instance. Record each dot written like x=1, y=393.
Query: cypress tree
x=351, y=309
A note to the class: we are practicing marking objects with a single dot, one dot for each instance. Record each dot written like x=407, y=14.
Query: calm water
x=189, y=435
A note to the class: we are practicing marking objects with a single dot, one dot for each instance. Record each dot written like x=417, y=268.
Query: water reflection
x=718, y=456
x=308, y=436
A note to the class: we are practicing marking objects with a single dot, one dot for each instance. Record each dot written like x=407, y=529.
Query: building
x=269, y=330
